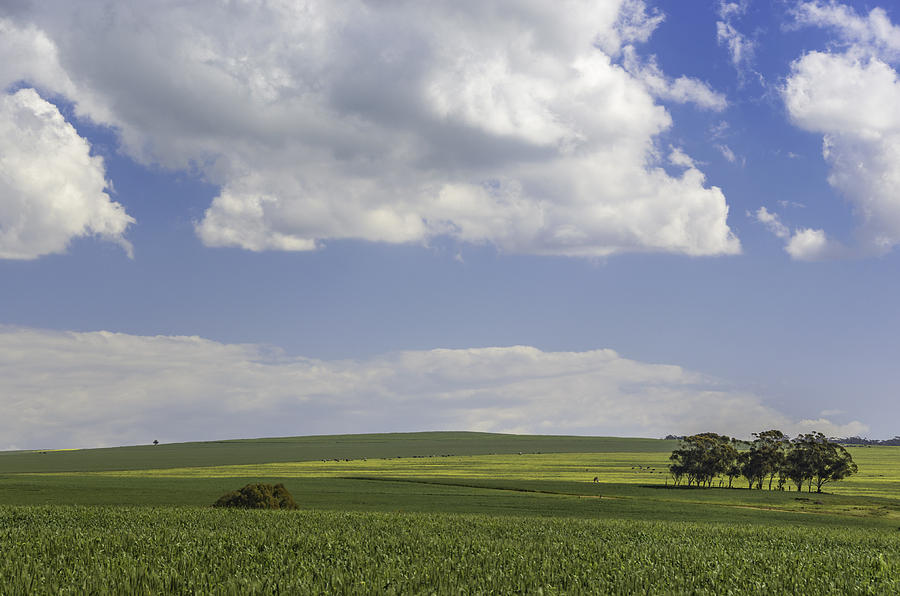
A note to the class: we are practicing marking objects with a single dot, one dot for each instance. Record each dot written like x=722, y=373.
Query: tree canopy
x=810, y=459
x=258, y=496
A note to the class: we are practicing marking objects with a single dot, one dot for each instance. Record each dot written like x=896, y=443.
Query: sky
x=613, y=217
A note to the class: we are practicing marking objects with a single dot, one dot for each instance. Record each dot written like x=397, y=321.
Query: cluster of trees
x=771, y=458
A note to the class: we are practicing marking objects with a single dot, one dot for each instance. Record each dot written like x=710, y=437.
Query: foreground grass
x=63, y=550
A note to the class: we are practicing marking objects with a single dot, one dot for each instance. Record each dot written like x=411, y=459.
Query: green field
x=294, y=449
x=441, y=510
x=72, y=550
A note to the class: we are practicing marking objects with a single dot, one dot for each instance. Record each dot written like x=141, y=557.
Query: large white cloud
x=51, y=189
x=851, y=95
x=29, y=54
x=88, y=389
x=507, y=122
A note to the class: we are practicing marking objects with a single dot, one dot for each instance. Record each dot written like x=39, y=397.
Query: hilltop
x=312, y=448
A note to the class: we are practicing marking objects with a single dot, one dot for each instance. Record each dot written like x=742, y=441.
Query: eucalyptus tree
x=702, y=457
x=810, y=459
x=770, y=448
x=814, y=460
x=753, y=467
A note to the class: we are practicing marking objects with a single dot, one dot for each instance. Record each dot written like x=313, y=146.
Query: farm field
x=313, y=448
x=393, y=500
x=64, y=550
x=421, y=472
x=878, y=476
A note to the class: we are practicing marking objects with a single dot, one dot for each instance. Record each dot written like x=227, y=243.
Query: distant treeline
x=895, y=442
x=809, y=460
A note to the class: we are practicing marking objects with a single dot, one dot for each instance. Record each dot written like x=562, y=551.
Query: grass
x=631, y=475
x=489, y=455
x=879, y=469
x=66, y=550
x=315, y=448
x=473, y=496
x=420, y=512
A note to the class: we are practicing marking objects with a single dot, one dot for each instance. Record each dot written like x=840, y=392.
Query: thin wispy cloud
x=741, y=47
x=873, y=31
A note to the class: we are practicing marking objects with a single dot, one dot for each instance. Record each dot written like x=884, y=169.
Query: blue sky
x=611, y=217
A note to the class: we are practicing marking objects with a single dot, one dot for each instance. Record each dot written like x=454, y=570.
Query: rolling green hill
x=446, y=512
x=463, y=472
x=299, y=449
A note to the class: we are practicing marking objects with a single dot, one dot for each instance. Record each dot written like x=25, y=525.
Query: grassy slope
x=392, y=517
x=413, y=472
x=295, y=449
x=879, y=469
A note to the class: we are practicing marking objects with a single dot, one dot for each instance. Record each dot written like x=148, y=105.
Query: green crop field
x=444, y=512
x=66, y=550
x=293, y=449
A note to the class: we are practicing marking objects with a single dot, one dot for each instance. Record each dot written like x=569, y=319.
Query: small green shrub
x=258, y=496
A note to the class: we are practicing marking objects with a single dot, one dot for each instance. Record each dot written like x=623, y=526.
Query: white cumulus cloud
x=803, y=244
x=851, y=96
x=87, y=389
x=507, y=122
x=51, y=189
x=808, y=244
